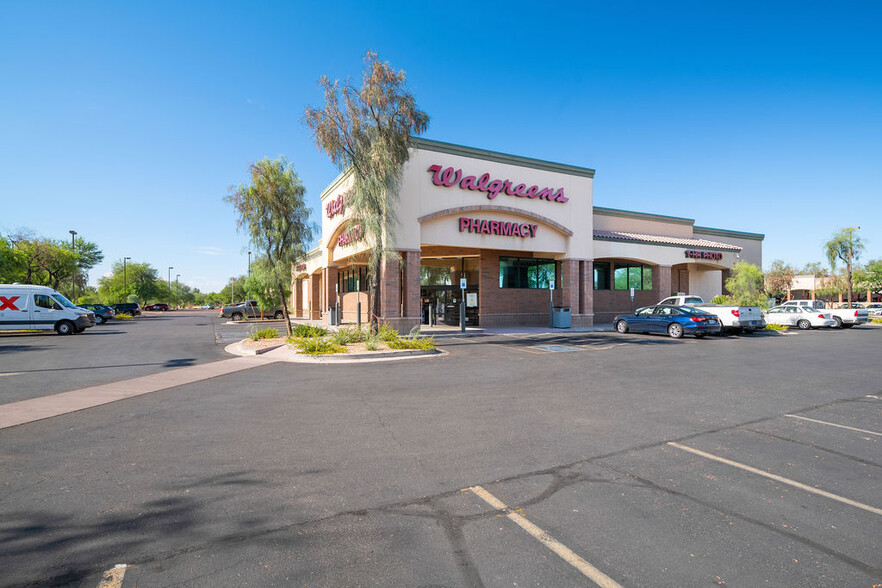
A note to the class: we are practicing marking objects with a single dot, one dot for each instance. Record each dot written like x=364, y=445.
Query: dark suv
x=131, y=308
x=103, y=313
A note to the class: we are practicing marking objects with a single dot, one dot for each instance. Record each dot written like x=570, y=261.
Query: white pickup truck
x=845, y=317
x=734, y=319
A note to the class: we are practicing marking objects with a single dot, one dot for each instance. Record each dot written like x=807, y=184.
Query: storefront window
x=601, y=276
x=638, y=277
x=526, y=272
x=435, y=276
x=354, y=280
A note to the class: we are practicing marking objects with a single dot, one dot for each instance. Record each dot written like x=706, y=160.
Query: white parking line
x=794, y=416
x=550, y=542
x=113, y=577
x=781, y=479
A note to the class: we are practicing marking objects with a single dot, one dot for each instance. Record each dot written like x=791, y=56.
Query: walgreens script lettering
x=449, y=177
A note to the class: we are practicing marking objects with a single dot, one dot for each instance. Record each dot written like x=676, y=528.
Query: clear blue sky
x=127, y=122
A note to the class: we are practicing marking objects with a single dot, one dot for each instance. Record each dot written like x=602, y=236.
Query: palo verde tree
x=261, y=285
x=366, y=132
x=846, y=247
x=273, y=210
x=745, y=283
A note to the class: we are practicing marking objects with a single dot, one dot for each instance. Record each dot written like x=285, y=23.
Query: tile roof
x=663, y=240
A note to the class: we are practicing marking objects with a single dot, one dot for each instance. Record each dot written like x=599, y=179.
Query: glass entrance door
x=440, y=293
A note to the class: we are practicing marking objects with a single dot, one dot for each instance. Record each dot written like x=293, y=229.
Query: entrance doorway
x=440, y=293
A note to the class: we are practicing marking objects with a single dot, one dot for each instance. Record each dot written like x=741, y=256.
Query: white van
x=29, y=308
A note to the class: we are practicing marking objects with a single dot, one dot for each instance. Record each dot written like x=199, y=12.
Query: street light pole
x=849, y=251
x=177, y=288
x=73, y=246
x=249, y=264
x=125, y=281
x=170, y=268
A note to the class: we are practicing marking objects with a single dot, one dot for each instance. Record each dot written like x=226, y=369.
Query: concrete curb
x=285, y=353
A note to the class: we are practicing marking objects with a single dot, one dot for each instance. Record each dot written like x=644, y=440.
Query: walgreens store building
x=513, y=228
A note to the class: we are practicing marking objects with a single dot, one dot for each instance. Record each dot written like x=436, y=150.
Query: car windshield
x=64, y=301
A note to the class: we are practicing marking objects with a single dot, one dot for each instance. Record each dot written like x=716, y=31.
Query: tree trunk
x=284, y=301
x=374, y=296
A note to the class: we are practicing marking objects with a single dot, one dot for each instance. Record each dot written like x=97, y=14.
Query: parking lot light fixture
x=73, y=246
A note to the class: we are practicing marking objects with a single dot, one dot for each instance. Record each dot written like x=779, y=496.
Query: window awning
x=663, y=240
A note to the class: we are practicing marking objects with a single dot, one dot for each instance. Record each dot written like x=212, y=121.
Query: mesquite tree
x=273, y=209
x=366, y=132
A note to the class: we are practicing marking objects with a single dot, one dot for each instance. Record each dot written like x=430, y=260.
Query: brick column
x=662, y=281
x=315, y=297
x=586, y=293
x=412, y=307
x=296, y=298
x=569, y=284
x=390, y=288
x=329, y=288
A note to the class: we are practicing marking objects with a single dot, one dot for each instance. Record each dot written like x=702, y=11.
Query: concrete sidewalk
x=35, y=409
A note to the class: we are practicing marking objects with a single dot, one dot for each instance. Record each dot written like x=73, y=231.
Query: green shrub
x=348, y=335
x=267, y=333
x=317, y=345
x=877, y=321
x=309, y=331
x=418, y=343
x=774, y=327
x=387, y=333
x=371, y=341
x=124, y=317
x=722, y=299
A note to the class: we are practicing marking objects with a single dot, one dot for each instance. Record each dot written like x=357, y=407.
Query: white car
x=799, y=316
x=874, y=309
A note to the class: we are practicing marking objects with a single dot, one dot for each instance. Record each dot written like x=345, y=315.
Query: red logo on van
x=8, y=303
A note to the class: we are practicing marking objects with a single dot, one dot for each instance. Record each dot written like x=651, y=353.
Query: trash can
x=561, y=318
x=332, y=316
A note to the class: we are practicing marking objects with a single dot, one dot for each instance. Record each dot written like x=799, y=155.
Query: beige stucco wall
x=420, y=197
x=752, y=245
x=621, y=220
x=658, y=254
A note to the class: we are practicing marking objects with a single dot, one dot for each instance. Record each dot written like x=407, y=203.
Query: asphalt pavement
x=514, y=459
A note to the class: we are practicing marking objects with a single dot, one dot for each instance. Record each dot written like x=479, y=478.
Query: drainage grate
x=556, y=348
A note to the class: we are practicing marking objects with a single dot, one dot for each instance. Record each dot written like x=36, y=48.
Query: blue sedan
x=676, y=321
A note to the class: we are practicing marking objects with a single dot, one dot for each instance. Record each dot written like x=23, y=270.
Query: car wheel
x=804, y=324
x=65, y=328
x=675, y=330
x=237, y=316
x=838, y=322
x=622, y=327
x=100, y=320
x=279, y=314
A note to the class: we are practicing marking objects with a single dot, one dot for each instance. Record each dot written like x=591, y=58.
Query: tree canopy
x=56, y=263
x=779, y=279
x=273, y=210
x=745, y=283
x=366, y=131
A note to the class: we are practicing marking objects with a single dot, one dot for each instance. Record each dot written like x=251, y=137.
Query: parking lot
x=520, y=459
